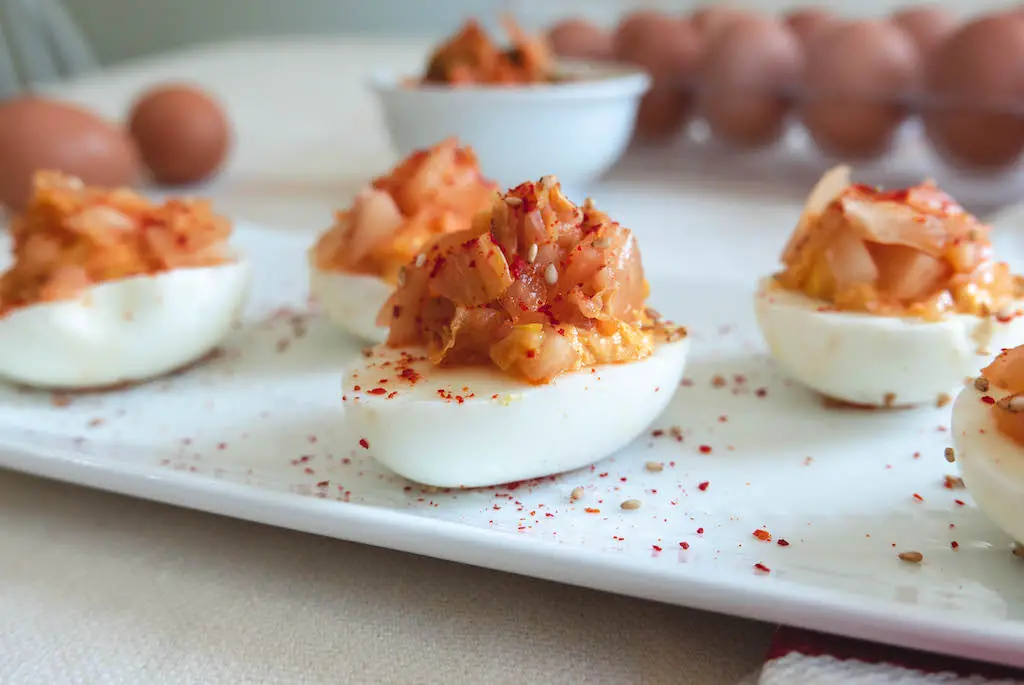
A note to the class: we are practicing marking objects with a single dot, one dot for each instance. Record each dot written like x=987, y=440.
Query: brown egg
x=182, y=133
x=928, y=26
x=808, y=21
x=632, y=28
x=712, y=20
x=669, y=50
x=977, y=76
x=857, y=77
x=580, y=39
x=39, y=134
x=746, y=77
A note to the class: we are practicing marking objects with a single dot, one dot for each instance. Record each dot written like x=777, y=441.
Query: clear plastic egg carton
x=780, y=91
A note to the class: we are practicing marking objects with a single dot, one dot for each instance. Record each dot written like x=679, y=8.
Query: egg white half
x=351, y=301
x=991, y=464
x=123, y=331
x=503, y=430
x=877, y=360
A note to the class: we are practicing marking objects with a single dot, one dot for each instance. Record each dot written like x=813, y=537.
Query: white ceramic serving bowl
x=574, y=129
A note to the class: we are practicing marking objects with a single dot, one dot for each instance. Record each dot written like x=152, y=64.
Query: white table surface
x=101, y=588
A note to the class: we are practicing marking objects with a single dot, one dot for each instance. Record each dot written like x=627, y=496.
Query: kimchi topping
x=431, y=192
x=1006, y=372
x=71, y=237
x=907, y=252
x=470, y=57
x=537, y=286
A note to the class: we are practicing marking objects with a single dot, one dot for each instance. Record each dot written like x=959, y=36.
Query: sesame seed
x=942, y=400
x=631, y=504
x=602, y=243
x=576, y=494
x=547, y=181
x=551, y=275
x=912, y=557
x=950, y=455
x=513, y=201
x=1011, y=403
x=421, y=259
x=654, y=466
x=981, y=384
x=588, y=203
x=889, y=400
x=401, y=276
x=531, y=254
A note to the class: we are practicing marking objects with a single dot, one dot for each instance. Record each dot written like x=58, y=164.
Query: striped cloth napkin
x=800, y=657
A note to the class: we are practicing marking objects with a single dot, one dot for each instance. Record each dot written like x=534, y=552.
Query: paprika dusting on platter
x=430, y=193
x=1006, y=372
x=71, y=237
x=537, y=287
x=909, y=252
x=470, y=57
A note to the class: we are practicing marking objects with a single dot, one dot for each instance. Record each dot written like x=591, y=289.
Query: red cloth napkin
x=801, y=657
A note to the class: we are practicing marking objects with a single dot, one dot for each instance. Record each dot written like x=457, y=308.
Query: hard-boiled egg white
x=472, y=427
x=350, y=301
x=991, y=464
x=125, y=330
x=877, y=360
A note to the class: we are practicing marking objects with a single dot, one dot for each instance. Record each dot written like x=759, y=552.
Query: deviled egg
x=355, y=266
x=108, y=288
x=988, y=435
x=518, y=348
x=887, y=298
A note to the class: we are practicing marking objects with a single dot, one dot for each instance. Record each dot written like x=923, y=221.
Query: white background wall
x=120, y=29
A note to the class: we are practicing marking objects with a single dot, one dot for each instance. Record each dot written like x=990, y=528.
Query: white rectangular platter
x=259, y=433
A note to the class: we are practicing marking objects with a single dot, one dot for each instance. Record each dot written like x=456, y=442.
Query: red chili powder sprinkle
x=222, y=445
x=955, y=545
x=323, y=484
x=592, y=510
x=364, y=443
x=703, y=486
x=761, y=568
x=705, y=449
x=684, y=545
x=700, y=531
x=657, y=433
x=391, y=395
x=762, y=534
x=960, y=502
x=783, y=542
x=656, y=548
x=988, y=399
x=723, y=418
x=410, y=375
x=357, y=388
x=309, y=471
x=377, y=391
x=918, y=497
x=761, y=392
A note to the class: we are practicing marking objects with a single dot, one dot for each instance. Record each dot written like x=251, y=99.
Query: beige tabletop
x=99, y=588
